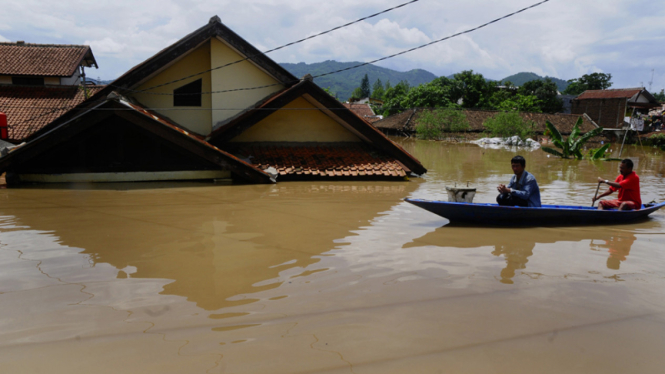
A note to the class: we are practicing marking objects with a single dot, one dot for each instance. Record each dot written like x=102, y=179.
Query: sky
x=561, y=38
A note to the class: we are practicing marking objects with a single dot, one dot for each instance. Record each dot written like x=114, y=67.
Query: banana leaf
x=553, y=151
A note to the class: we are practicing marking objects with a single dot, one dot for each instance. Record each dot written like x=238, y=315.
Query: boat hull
x=547, y=215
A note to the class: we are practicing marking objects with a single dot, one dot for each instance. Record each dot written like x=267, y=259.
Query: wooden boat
x=547, y=215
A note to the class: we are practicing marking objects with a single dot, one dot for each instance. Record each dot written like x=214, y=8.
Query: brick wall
x=606, y=113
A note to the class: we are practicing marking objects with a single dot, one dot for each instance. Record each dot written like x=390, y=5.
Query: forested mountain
x=521, y=78
x=342, y=84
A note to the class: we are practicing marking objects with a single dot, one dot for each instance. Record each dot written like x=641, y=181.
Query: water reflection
x=518, y=246
x=618, y=246
x=214, y=243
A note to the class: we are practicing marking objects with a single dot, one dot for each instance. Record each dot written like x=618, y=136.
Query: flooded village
x=210, y=212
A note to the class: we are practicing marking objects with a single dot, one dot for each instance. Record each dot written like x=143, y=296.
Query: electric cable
x=355, y=66
x=283, y=46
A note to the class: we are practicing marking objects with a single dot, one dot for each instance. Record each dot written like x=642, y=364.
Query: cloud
x=560, y=38
x=3, y=39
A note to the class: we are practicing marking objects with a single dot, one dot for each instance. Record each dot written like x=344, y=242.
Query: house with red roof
x=209, y=106
x=40, y=82
x=608, y=108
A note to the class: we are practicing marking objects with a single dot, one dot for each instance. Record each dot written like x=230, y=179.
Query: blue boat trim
x=494, y=214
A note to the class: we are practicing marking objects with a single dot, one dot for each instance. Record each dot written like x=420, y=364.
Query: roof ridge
x=14, y=44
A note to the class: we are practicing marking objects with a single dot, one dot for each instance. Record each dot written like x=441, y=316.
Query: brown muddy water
x=335, y=277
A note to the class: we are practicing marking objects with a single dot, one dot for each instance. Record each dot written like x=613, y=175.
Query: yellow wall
x=198, y=120
x=297, y=126
x=240, y=75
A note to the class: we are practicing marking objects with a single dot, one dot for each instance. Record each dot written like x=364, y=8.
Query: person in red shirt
x=628, y=185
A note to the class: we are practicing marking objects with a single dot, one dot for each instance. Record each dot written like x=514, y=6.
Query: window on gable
x=189, y=94
x=28, y=81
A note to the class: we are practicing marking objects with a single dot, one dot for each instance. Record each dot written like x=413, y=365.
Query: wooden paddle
x=596, y=195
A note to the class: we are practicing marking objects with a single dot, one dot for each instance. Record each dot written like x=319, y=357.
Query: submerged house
x=608, y=108
x=405, y=123
x=40, y=82
x=210, y=106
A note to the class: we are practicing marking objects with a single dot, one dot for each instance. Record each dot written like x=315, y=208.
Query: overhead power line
x=282, y=46
x=435, y=41
x=355, y=66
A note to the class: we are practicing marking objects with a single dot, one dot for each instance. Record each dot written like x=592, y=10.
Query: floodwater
x=335, y=277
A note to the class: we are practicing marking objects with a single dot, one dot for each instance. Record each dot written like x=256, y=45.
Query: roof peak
x=215, y=19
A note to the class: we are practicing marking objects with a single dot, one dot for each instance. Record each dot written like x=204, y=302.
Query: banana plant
x=570, y=147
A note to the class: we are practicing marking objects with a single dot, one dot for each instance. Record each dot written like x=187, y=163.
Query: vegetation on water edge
x=508, y=124
x=656, y=140
x=432, y=124
x=572, y=145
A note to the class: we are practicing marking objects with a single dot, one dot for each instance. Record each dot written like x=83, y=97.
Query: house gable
x=298, y=121
x=196, y=119
x=238, y=75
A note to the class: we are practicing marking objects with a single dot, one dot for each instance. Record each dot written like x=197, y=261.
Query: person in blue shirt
x=522, y=190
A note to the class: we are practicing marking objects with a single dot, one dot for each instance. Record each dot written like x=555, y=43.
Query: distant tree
x=594, y=81
x=333, y=94
x=395, y=98
x=433, y=123
x=508, y=124
x=356, y=94
x=546, y=92
x=660, y=96
x=388, y=85
x=364, y=87
x=520, y=103
x=377, y=90
x=475, y=88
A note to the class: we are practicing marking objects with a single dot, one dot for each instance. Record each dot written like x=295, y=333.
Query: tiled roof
x=407, y=121
x=42, y=59
x=362, y=110
x=29, y=108
x=348, y=161
x=621, y=93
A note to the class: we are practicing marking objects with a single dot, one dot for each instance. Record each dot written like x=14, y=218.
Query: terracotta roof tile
x=347, y=161
x=41, y=59
x=621, y=93
x=29, y=108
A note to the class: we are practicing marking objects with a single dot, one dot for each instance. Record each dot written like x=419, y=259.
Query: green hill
x=521, y=78
x=342, y=84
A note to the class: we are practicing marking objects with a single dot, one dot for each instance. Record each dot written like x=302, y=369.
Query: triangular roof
x=149, y=121
x=48, y=60
x=170, y=54
x=327, y=104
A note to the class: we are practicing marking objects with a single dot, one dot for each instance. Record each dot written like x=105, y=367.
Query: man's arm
x=528, y=189
x=615, y=185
